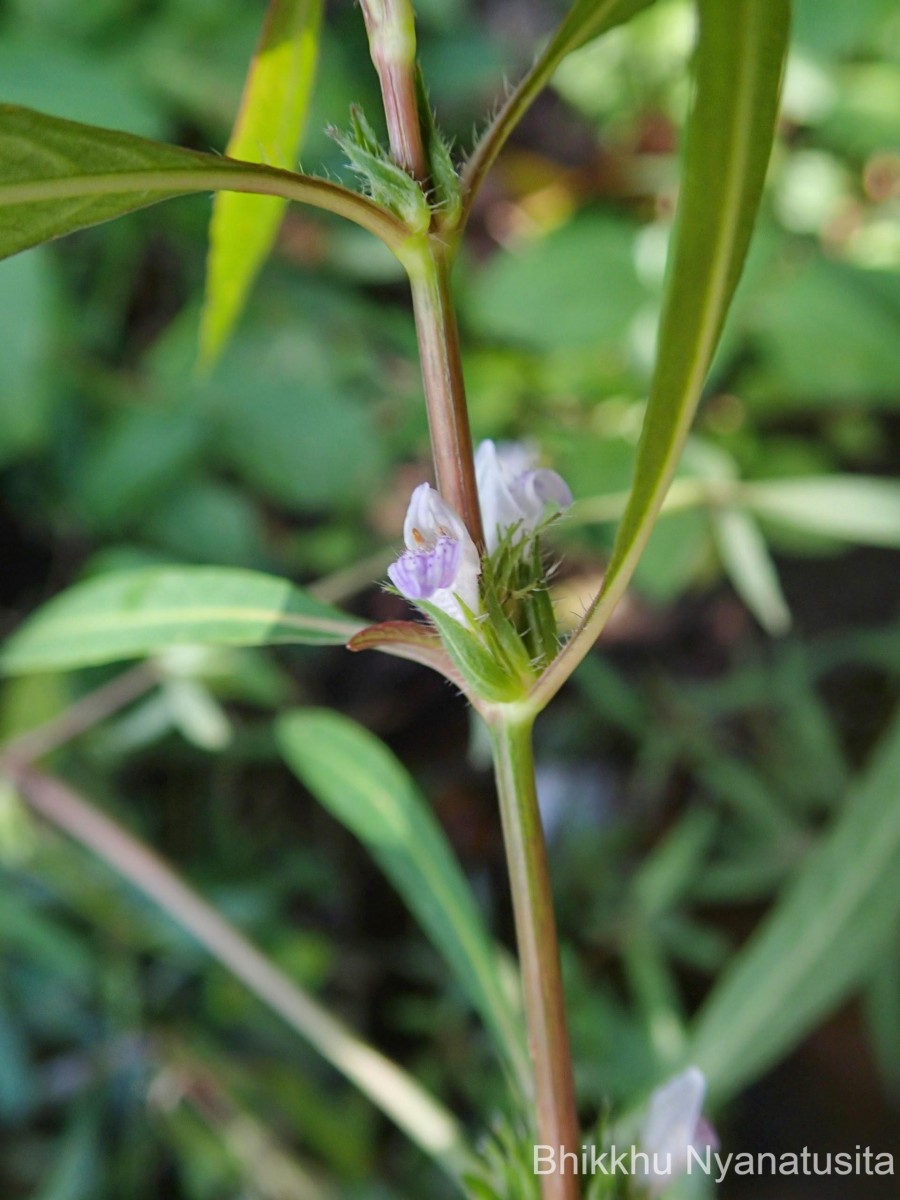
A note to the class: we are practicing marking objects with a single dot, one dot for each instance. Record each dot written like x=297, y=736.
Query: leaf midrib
x=165, y=618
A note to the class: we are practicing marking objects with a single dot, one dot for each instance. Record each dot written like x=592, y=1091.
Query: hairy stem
x=416, y=1112
x=548, y=1038
x=442, y=377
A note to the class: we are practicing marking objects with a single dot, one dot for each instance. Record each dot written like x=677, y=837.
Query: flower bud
x=673, y=1126
x=514, y=492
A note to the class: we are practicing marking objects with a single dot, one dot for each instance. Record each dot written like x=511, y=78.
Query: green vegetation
x=720, y=776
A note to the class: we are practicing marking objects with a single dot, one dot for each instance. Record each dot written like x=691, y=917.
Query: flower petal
x=428, y=518
x=674, y=1112
x=513, y=491
x=418, y=574
x=441, y=561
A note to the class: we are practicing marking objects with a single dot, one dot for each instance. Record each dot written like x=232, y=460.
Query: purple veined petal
x=418, y=574
x=430, y=518
x=534, y=492
x=441, y=562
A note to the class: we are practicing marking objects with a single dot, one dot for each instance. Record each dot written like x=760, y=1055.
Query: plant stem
x=425, y=1121
x=442, y=377
x=557, y=1118
x=79, y=717
x=391, y=29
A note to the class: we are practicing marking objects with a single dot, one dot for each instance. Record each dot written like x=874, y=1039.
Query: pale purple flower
x=673, y=1126
x=441, y=563
x=514, y=491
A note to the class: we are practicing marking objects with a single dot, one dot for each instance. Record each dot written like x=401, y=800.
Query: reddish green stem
x=442, y=377
x=548, y=1037
x=390, y=25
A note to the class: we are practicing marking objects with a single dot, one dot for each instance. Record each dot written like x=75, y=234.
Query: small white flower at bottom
x=440, y=563
x=674, y=1124
x=514, y=491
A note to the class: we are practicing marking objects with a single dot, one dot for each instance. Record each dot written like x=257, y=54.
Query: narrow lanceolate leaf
x=739, y=63
x=361, y=783
x=588, y=19
x=269, y=129
x=746, y=558
x=857, y=508
x=130, y=614
x=57, y=176
x=822, y=940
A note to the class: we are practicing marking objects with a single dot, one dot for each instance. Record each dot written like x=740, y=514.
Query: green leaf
x=588, y=19
x=750, y=568
x=76, y=1171
x=739, y=64
x=546, y=294
x=130, y=614
x=57, y=176
x=882, y=1011
x=824, y=936
x=17, y=1075
x=824, y=334
x=361, y=783
x=831, y=28
x=203, y=521
x=269, y=129
x=42, y=65
x=28, y=308
x=857, y=508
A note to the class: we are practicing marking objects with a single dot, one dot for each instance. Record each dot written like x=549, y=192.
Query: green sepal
x=540, y=620
x=488, y=676
x=387, y=184
x=514, y=587
x=503, y=632
x=363, y=133
x=444, y=177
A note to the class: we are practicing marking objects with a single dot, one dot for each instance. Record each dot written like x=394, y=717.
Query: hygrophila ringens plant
x=473, y=565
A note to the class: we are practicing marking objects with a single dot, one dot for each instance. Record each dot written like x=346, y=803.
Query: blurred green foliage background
x=130, y=1066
